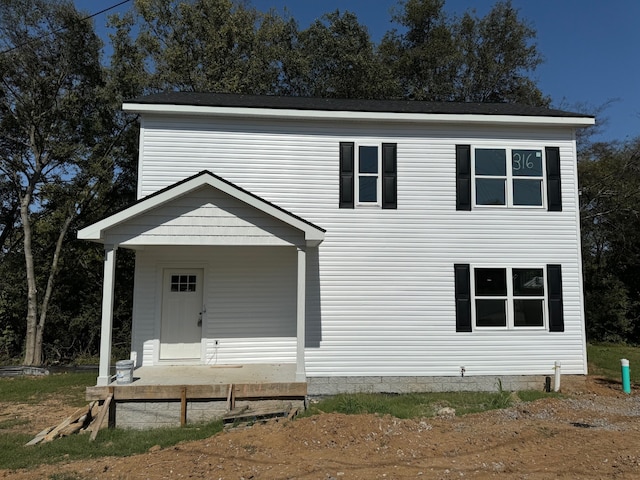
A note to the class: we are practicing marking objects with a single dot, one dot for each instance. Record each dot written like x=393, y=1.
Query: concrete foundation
x=155, y=397
x=317, y=386
x=141, y=415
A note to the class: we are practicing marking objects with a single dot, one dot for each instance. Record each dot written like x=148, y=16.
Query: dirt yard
x=594, y=433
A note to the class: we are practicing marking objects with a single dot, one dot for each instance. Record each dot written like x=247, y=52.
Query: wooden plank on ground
x=39, y=437
x=69, y=420
x=101, y=416
x=72, y=428
x=292, y=413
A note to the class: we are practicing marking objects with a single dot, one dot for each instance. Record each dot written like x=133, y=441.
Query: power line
x=55, y=32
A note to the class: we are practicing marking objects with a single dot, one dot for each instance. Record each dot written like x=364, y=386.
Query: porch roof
x=97, y=232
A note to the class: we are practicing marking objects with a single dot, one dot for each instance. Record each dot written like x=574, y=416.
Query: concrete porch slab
x=208, y=375
x=205, y=382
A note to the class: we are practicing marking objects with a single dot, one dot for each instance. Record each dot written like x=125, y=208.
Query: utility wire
x=55, y=32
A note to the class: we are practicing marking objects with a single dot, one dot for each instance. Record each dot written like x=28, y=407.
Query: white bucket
x=124, y=371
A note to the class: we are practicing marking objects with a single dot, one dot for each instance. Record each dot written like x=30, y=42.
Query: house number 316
x=523, y=160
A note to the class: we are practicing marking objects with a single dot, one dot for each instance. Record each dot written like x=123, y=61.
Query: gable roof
x=96, y=232
x=271, y=105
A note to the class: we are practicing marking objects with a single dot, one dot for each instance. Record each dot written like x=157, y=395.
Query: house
x=369, y=245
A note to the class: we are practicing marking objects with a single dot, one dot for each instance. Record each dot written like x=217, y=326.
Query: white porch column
x=301, y=375
x=107, y=314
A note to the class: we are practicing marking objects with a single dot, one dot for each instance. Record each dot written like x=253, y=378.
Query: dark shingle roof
x=350, y=105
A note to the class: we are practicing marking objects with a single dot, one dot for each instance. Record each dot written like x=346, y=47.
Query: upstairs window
x=508, y=177
x=368, y=175
x=368, y=185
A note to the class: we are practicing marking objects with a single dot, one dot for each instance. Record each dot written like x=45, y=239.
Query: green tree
x=437, y=57
x=424, y=59
x=340, y=60
x=499, y=52
x=609, y=175
x=56, y=120
x=201, y=45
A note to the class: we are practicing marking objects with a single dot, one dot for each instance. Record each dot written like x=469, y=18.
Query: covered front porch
x=220, y=291
x=162, y=375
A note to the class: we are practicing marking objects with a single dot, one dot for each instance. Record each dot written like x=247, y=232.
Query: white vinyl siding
x=204, y=217
x=249, y=302
x=380, y=288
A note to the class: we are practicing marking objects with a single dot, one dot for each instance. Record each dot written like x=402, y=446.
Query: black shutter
x=389, y=175
x=554, y=294
x=346, y=174
x=463, y=177
x=554, y=194
x=463, y=297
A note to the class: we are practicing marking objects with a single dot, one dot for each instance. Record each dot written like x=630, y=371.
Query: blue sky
x=591, y=48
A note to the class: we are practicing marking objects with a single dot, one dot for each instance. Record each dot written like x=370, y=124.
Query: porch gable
x=203, y=210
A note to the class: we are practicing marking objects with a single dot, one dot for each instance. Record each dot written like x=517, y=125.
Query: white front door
x=181, y=329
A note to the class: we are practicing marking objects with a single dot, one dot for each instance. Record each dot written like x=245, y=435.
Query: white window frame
x=509, y=298
x=509, y=177
x=357, y=174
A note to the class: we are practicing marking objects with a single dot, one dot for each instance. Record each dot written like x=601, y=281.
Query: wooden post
x=183, y=406
x=301, y=296
x=231, y=402
x=106, y=328
x=112, y=409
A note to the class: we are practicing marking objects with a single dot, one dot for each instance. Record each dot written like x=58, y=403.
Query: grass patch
x=411, y=405
x=117, y=442
x=66, y=476
x=68, y=387
x=12, y=422
x=604, y=360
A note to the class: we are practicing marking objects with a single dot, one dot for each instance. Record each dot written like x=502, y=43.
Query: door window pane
x=183, y=283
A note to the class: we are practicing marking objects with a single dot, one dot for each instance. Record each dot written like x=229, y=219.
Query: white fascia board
x=96, y=231
x=358, y=116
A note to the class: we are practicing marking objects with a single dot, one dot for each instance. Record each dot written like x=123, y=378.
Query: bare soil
x=592, y=433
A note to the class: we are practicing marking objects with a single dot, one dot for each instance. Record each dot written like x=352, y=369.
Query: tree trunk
x=44, y=308
x=32, y=291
